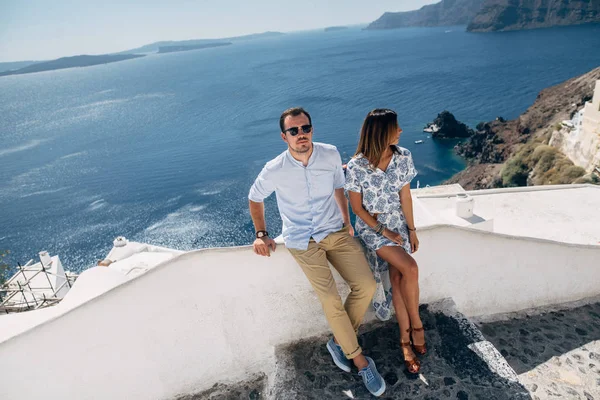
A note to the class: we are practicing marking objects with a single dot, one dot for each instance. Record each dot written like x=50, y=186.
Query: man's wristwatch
x=261, y=234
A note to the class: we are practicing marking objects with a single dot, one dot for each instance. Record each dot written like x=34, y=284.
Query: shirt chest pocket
x=321, y=183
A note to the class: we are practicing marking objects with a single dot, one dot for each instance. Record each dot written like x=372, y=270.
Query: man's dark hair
x=294, y=112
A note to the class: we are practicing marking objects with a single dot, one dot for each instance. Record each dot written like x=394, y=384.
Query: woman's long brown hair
x=376, y=133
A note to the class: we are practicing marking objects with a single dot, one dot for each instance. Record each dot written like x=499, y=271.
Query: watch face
x=260, y=234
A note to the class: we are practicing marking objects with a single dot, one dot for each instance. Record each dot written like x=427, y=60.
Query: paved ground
x=450, y=370
x=252, y=389
x=556, y=354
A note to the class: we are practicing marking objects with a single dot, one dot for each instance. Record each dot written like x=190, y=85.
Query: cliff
x=504, y=15
x=516, y=153
x=71, y=62
x=444, y=13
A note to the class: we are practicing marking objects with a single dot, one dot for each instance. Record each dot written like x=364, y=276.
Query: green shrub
x=542, y=151
x=514, y=173
x=542, y=164
x=571, y=173
x=591, y=178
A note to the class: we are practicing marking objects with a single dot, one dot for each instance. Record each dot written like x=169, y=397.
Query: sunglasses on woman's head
x=295, y=130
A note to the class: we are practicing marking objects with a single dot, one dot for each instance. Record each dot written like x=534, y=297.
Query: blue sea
x=163, y=149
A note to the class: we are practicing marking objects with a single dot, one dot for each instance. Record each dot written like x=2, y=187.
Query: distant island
x=28, y=67
x=154, y=47
x=11, y=66
x=71, y=62
x=335, y=28
x=173, y=49
x=508, y=15
x=444, y=13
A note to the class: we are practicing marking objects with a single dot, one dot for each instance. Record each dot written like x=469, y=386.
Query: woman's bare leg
x=401, y=312
x=398, y=259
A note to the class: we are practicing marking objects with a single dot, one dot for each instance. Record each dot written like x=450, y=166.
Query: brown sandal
x=414, y=365
x=419, y=348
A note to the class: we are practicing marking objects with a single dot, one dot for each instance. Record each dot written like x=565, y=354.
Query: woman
x=378, y=184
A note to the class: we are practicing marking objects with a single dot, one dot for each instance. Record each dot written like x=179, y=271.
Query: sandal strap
x=405, y=344
x=413, y=365
x=417, y=329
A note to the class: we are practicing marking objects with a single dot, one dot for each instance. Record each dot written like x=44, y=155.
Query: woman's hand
x=393, y=236
x=414, y=241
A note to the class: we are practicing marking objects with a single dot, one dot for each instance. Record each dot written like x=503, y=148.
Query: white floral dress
x=380, y=195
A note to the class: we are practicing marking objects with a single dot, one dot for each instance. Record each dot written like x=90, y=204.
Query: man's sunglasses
x=295, y=130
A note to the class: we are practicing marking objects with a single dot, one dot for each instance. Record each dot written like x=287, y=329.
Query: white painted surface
x=438, y=190
x=464, y=205
x=582, y=143
x=91, y=283
x=217, y=314
x=562, y=213
x=130, y=259
x=489, y=273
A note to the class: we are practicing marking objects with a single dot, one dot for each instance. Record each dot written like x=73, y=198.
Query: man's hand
x=263, y=246
x=350, y=229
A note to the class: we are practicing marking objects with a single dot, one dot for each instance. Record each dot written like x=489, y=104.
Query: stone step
x=555, y=350
x=460, y=364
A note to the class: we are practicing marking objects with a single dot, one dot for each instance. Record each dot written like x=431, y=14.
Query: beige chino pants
x=346, y=255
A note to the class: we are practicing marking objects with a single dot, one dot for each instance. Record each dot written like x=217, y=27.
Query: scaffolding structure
x=31, y=288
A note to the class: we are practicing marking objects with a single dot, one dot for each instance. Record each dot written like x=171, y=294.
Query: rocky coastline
x=503, y=153
x=444, y=13
x=509, y=15
x=494, y=15
x=445, y=126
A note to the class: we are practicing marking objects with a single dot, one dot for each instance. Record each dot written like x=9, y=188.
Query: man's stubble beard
x=302, y=150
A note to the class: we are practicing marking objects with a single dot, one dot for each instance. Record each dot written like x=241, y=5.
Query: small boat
x=418, y=141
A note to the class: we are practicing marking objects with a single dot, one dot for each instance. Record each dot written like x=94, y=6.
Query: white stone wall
x=217, y=314
x=591, y=129
x=582, y=145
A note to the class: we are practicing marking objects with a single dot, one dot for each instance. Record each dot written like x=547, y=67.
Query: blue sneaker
x=371, y=378
x=339, y=358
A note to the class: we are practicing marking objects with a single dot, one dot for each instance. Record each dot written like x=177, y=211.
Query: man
x=309, y=184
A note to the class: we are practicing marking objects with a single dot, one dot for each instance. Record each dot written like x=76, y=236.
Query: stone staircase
x=551, y=354
x=460, y=364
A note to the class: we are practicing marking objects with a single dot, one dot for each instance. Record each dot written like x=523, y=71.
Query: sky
x=49, y=29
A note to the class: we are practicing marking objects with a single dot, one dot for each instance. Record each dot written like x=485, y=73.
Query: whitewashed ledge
x=191, y=319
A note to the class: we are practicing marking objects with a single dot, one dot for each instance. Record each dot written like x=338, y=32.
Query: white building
x=591, y=127
x=136, y=330
x=36, y=285
x=582, y=143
